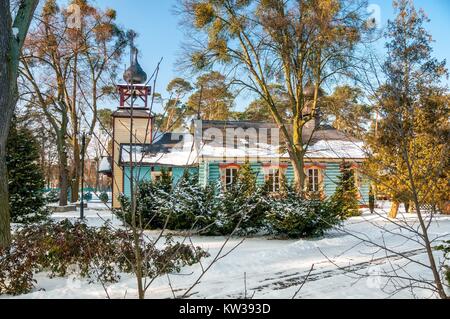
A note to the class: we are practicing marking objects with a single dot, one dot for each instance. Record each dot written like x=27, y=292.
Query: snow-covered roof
x=172, y=158
x=336, y=149
x=174, y=149
x=261, y=150
x=244, y=141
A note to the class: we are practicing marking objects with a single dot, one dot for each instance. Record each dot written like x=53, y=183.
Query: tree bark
x=299, y=174
x=75, y=182
x=394, y=210
x=76, y=172
x=10, y=47
x=5, y=228
x=6, y=80
x=97, y=175
x=407, y=207
x=299, y=158
x=63, y=172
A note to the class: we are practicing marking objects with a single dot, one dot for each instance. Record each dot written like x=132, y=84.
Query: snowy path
x=277, y=268
x=284, y=281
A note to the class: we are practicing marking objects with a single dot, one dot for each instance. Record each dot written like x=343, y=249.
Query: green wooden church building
x=215, y=150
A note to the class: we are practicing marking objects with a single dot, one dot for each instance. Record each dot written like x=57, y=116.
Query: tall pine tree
x=410, y=160
x=25, y=177
x=345, y=199
x=243, y=203
x=411, y=145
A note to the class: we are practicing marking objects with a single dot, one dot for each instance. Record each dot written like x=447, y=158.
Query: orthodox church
x=215, y=150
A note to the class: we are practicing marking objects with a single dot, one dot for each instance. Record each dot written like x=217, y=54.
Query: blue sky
x=161, y=37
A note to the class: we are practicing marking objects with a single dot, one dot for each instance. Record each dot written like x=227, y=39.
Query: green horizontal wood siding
x=290, y=174
x=144, y=173
x=178, y=172
x=365, y=190
x=209, y=172
x=259, y=173
x=331, y=178
x=213, y=172
x=202, y=178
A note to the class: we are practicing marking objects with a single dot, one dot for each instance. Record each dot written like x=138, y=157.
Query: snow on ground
x=277, y=268
x=96, y=215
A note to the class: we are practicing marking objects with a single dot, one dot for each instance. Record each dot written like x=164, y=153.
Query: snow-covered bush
x=244, y=205
x=185, y=206
x=192, y=207
x=294, y=217
x=104, y=197
x=301, y=220
x=88, y=196
x=445, y=248
x=242, y=209
x=52, y=196
x=151, y=197
x=184, y=203
x=98, y=254
x=242, y=212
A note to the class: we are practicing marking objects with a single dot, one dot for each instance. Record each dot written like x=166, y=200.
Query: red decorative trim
x=228, y=165
x=127, y=92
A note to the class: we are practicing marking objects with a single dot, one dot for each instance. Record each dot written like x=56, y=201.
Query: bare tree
x=75, y=63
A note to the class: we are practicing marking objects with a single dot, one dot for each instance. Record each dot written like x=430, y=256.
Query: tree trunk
x=10, y=48
x=394, y=210
x=298, y=158
x=97, y=175
x=76, y=172
x=64, y=186
x=5, y=228
x=299, y=175
x=63, y=172
x=407, y=207
x=7, y=104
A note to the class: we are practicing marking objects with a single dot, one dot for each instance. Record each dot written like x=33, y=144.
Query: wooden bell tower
x=133, y=112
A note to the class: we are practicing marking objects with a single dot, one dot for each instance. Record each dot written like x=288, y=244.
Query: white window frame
x=274, y=174
x=316, y=186
x=270, y=170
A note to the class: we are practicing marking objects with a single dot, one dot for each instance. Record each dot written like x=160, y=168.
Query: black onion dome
x=135, y=74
